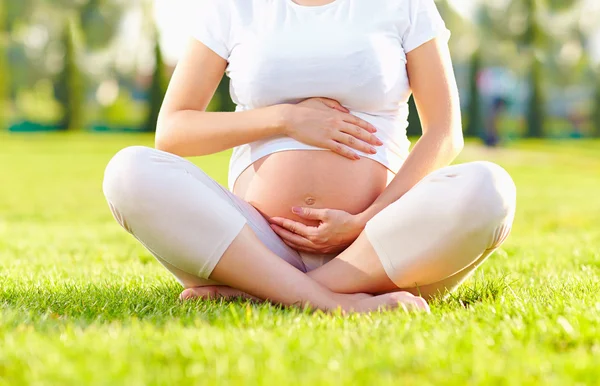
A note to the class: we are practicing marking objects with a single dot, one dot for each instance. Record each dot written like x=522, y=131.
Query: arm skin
x=186, y=129
x=436, y=95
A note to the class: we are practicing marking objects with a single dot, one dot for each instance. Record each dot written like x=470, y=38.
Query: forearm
x=433, y=151
x=189, y=133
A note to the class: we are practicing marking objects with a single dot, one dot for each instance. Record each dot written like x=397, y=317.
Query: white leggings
x=438, y=232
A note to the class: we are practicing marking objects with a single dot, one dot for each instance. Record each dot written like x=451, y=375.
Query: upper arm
x=203, y=64
x=195, y=79
x=429, y=67
x=434, y=87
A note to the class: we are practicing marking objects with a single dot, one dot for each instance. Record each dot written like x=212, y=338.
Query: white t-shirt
x=353, y=51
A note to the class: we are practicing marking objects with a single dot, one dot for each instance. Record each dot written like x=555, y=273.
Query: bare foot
x=390, y=301
x=224, y=292
x=214, y=292
x=360, y=303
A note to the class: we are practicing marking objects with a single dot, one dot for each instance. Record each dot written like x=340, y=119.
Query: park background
x=103, y=65
x=81, y=302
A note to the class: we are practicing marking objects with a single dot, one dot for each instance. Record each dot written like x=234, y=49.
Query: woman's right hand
x=325, y=123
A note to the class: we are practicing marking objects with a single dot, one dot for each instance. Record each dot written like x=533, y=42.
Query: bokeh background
x=526, y=68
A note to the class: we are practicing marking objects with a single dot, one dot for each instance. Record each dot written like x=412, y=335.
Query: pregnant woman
x=326, y=206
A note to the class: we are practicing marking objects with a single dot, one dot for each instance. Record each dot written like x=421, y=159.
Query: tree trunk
x=596, y=108
x=158, y=89
x=535, y=105
x=475, y=121
x=224, y=95
x=414, y=122
x=4, y=69
x=70, y=91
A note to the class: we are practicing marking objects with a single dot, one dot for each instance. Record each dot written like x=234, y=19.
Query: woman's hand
x=337, y=230
x=326, y=124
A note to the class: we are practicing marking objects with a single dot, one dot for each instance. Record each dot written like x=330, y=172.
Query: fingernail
x=356, y=157
x=373, y=151
x=297, y=210
x=379, y=142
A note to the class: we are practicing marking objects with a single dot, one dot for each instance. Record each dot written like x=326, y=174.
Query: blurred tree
x=596, y=107
x=474, y=118
x=536, y=103
x=224, y=96
x=69, y=85
x=17, y=12
x=535, y=27
x=464, y=32
x=100, y=21
x=158, y=88
x=4, y=68
x=414, y=121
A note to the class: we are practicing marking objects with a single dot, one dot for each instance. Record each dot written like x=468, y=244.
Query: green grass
x=82, y=303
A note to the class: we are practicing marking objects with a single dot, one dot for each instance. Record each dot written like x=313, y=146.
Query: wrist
x=364, y=217
x=281, y=118
x=360, y=220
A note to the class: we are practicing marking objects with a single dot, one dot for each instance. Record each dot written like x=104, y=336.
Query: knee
x=128, y=174
x=491, y=192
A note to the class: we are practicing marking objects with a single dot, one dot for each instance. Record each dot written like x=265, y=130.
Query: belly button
x=310, y=201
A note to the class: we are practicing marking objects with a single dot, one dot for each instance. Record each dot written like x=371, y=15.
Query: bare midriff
x=313, y=179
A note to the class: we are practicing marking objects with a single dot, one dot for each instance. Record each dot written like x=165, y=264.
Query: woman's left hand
x=337, y=230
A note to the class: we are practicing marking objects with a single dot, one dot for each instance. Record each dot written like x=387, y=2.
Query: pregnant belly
x=315, y=179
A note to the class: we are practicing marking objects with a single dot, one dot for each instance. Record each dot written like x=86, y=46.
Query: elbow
x=163, y=145
x=450, y=143
x=161, y=142
x=163, y=139
x=457, y=143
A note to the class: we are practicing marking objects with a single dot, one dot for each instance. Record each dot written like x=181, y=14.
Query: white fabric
x=432, y=238
x=353, y=51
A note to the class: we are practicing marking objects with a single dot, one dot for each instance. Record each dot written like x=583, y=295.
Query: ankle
x=342, y=302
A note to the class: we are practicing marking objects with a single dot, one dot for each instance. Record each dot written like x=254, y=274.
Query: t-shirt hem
x=444, y=35
x=213, y=45
x=236, y=172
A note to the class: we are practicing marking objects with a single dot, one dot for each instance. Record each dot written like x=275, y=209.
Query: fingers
x=310, y=213
x=342, y=150
x=355, y=143
x=361, y=134
x=356, y=121
x=294, y=227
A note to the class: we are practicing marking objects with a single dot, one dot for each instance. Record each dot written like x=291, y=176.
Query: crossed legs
x=426, y=243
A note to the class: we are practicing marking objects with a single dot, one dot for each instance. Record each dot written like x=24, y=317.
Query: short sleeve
x=426, y=24
x=210, y=23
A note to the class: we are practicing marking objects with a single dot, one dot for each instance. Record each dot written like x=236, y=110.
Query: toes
x=423, y=305
x=187, y=294
x=198, y=293
x=409, y=302
x=213, y=292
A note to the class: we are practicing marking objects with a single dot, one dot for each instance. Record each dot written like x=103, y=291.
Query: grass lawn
x=82, y=303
